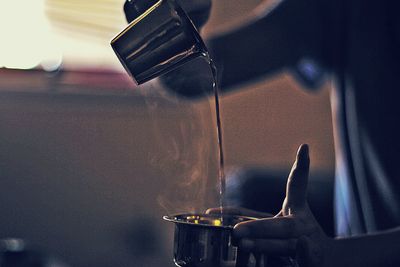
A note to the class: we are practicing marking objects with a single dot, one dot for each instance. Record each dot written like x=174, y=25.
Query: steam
x=186, y=148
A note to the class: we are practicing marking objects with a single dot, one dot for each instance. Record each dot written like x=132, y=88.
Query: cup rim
x=180, y=219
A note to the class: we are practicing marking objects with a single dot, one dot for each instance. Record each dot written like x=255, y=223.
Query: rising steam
x=187, y=146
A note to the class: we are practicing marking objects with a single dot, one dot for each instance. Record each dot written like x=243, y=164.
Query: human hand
x=198, y=10
x=294, y=230
x=239, y=211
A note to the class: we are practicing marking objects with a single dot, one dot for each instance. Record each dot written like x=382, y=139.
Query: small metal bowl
x=205, y=240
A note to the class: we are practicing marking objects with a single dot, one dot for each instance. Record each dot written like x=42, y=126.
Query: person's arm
x=272, y=38
x=295, y=232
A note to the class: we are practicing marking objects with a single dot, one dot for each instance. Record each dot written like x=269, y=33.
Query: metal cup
x=204, y=240
x=157, y=41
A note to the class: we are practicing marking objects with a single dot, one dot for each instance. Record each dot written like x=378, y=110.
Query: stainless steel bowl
x=205, y=240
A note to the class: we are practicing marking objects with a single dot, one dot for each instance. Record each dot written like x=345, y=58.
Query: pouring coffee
x=159, y=39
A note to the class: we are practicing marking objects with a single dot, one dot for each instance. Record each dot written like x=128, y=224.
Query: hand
x=239, y=211
x=198, y=10
x=294, y=230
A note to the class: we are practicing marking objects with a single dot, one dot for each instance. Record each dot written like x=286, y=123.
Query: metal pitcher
x=159, y=38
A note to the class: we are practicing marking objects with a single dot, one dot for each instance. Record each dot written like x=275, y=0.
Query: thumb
x=296, y=187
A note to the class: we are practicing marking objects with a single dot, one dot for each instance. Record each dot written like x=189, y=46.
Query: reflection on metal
x=201, y=241
x=158, y=40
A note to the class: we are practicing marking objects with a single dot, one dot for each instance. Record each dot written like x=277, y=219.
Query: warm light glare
x=26, y=39
x=217, y=223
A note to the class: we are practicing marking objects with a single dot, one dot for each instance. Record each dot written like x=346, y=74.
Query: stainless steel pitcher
x=160, y=38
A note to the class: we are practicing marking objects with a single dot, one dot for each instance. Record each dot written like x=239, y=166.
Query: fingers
x=280, y=247
x=296, y=188
x=199, y=11
x=226, y=210
x=239, y=211
x=277, y=227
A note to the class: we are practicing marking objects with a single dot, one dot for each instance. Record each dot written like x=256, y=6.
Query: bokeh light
x=27, y=40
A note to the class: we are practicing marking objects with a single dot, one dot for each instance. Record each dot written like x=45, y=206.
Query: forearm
x=265, y=43
x=271, y=39
x=380, y=249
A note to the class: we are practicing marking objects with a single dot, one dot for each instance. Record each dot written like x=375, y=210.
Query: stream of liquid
x=221, y=172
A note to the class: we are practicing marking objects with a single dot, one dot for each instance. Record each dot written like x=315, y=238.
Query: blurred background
x=89, y=162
